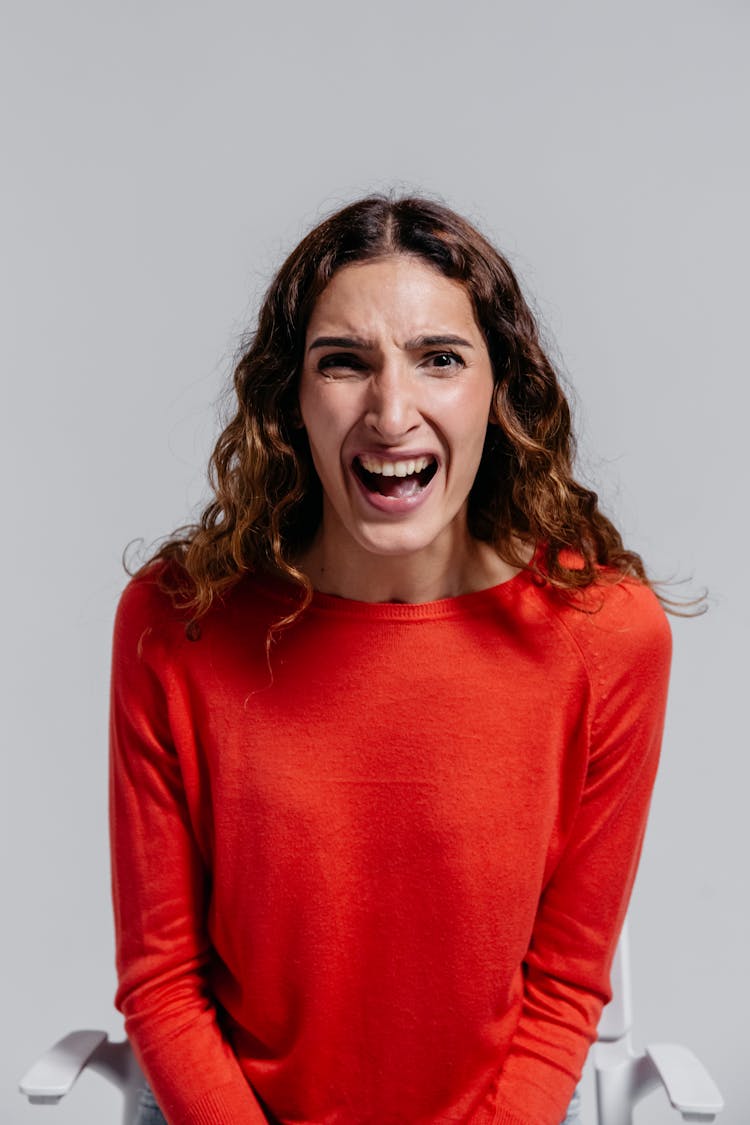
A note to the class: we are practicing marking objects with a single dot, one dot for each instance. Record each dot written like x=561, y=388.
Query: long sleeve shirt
x=377, y=878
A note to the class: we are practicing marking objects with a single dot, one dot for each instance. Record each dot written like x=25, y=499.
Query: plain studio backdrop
x=159, y=160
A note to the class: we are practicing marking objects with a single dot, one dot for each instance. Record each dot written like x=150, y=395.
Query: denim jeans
x=150, y=1114
x=573, y=1116
x=148, y=1111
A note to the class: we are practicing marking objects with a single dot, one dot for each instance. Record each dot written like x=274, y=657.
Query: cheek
x=468, y=403
x=323, y=429
x=471, y=421
x=314, y=417
x=319, y=408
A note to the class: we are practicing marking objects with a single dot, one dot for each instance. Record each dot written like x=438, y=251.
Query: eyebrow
x=358, y=342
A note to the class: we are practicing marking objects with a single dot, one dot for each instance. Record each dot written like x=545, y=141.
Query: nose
x=392, y=408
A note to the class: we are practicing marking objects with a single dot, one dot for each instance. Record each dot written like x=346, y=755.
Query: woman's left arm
x=627, y=650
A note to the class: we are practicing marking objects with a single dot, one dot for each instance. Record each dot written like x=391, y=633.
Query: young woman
x=385, y=723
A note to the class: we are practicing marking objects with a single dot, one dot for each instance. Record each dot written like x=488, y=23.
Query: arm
x=159, y=885
x=626, y=648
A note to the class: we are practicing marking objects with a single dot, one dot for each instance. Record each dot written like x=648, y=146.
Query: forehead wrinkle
x=380, y=308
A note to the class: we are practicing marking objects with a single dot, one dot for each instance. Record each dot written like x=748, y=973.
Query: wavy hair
x=267, y=501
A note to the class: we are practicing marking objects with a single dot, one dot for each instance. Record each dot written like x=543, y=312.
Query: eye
x=445, y=361
x=341, y=362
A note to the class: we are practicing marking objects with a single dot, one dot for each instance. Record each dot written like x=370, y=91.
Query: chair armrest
x=689, y=1086
x=52, y=1076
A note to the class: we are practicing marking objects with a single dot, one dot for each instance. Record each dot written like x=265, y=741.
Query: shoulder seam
x=559, y=625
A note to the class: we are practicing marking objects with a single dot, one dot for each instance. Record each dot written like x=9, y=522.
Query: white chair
x=623, y=1077
x=54, y=1074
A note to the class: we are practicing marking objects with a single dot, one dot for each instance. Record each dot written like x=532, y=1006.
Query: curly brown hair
x=268, y=498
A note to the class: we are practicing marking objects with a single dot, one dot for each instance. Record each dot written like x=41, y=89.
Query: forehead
x=400, y=294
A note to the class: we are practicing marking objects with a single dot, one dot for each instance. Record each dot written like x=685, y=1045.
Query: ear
x=295, y=418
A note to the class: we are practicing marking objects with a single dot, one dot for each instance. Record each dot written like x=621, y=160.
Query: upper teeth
x=394, y=468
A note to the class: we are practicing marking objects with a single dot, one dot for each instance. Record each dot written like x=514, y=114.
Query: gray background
x=159, y=159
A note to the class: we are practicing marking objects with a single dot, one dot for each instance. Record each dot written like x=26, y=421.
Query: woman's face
x=395, y=394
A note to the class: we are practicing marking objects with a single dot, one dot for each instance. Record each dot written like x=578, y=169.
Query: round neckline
x=455, y=605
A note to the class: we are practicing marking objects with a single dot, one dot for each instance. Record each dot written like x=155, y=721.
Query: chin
x=396, y=542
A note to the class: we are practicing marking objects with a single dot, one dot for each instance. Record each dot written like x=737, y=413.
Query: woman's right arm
x=160, y=886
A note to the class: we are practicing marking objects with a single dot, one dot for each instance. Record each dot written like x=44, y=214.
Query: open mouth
x=399, y=479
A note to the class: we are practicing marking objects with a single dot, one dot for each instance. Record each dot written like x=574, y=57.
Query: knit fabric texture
x=381, y=881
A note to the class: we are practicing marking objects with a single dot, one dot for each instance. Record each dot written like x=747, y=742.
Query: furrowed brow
x=342, y=342
x=443, y=340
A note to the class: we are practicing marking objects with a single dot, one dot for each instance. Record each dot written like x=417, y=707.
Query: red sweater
x=383, y=885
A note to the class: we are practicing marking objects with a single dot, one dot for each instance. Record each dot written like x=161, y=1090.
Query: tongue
x=398, y=486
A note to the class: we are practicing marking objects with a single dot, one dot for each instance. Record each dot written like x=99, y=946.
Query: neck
x=422, y=577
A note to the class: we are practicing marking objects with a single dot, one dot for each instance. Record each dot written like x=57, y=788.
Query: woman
x=385, y=724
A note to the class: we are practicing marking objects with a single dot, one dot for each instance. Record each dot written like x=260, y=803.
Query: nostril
x=390, y=425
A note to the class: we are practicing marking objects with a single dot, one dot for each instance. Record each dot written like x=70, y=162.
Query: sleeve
x=583, y=905
x=159, y=888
